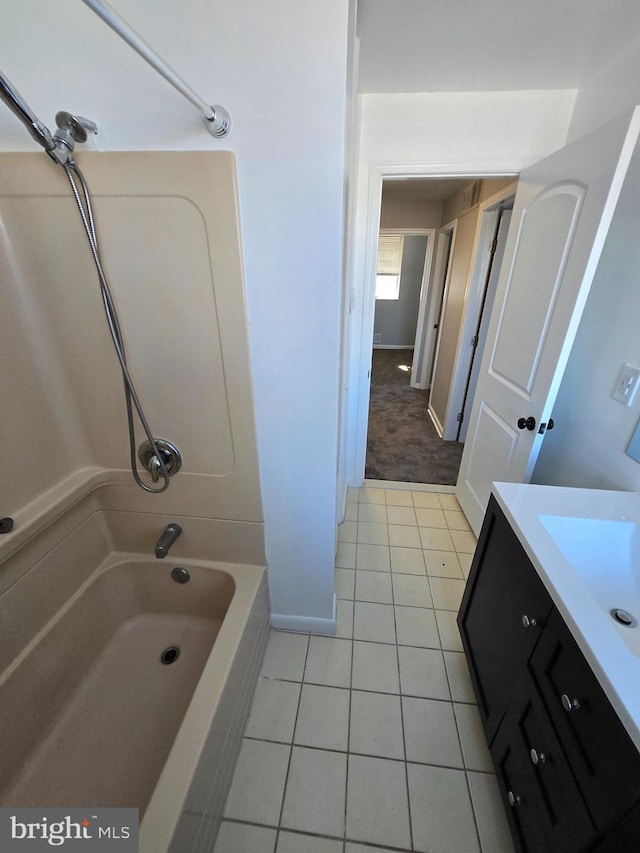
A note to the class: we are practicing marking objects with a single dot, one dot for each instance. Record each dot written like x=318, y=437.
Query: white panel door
x=562, y=211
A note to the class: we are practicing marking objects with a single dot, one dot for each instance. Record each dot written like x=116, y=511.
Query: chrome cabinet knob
x=514, y=799
x=537, y=757
x=569, y=704
x=529, y=622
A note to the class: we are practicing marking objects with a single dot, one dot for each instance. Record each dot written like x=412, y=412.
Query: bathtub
x=120, y=686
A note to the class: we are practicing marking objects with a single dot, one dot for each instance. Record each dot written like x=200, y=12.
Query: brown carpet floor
x=402, y=443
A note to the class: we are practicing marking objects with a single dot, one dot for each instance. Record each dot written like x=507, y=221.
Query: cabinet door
x=502, y=596
x=623, y=837
x=518, y=793
x=603, y=757
x=550, y=789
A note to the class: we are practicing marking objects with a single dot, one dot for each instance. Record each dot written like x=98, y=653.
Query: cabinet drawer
x=532, y=765
x=503, y=594
x=514, y=777
x=603, y=758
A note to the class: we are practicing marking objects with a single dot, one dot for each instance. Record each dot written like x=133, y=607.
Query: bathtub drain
x=170, y=654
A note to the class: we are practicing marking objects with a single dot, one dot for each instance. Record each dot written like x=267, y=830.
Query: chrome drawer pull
x=529, y=623
x=514, y=799
x=537, y=757
x=569, y=704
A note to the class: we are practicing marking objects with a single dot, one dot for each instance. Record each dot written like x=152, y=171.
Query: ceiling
x=489, y=45
x=420, y=189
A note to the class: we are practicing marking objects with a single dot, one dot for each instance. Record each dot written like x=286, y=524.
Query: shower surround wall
x=168, y=224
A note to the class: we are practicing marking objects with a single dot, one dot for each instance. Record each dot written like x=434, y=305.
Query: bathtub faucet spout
x=169, y=536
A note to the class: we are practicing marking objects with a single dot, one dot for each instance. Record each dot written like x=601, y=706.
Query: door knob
x=514, y=799
x=527, y=423
x=529, y=622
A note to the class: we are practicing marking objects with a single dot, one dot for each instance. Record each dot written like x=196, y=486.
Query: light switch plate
x=634, y=445
x=627, y=384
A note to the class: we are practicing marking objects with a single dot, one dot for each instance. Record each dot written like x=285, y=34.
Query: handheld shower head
x=17, y=104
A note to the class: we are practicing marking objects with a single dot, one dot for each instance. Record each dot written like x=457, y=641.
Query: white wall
x=351, y=162
x=451, y=133
x=279, y=67
x=611, y=83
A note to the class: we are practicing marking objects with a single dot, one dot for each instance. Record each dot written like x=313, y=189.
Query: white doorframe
x=420, y=348
x=430, y=234
x=363, y=308
x=502, y=228
x=481, y=254
x=443, y=248
x=450, y=228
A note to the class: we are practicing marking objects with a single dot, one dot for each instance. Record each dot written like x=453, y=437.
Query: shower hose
x=132, y=400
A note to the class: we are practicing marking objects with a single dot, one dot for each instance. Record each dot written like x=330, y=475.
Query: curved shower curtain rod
x=217, y=119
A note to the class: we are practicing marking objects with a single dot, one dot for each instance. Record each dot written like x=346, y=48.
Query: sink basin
x=605, y=556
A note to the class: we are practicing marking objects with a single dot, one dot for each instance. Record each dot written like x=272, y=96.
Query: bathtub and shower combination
x=91, y=710
x=128, y=655
x=122, y=683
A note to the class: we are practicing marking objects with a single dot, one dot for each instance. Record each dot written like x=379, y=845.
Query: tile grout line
x=464, y=764
x=466, y=772
x=404, y=739
x=372, y=690
x=293, y=733
x=307, y=834
x=473, y=808
x=369, y=690
x=346, y=780
x=370, y=754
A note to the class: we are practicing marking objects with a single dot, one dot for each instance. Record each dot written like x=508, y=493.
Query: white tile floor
x=371, y=741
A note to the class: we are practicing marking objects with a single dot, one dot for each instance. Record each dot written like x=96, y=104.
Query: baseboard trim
x=393, y=346
x=435, y=421
x=305, y=624
x=412, y=487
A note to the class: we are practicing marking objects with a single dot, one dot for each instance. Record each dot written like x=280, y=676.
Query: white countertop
x=585, y=545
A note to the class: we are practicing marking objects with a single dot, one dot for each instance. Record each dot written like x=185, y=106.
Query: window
x=389, y=265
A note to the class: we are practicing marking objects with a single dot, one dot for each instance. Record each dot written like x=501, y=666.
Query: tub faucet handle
x=169, y=536
x=154, y=468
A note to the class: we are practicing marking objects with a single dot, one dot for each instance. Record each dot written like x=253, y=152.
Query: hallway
x=402, y=443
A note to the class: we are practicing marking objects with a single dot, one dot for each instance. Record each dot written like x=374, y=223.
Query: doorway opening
x=442, y=239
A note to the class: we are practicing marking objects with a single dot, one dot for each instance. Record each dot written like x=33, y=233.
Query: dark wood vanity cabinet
x=536, y=778
x=568, y=771
x=603, y=757
x=515, y=612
